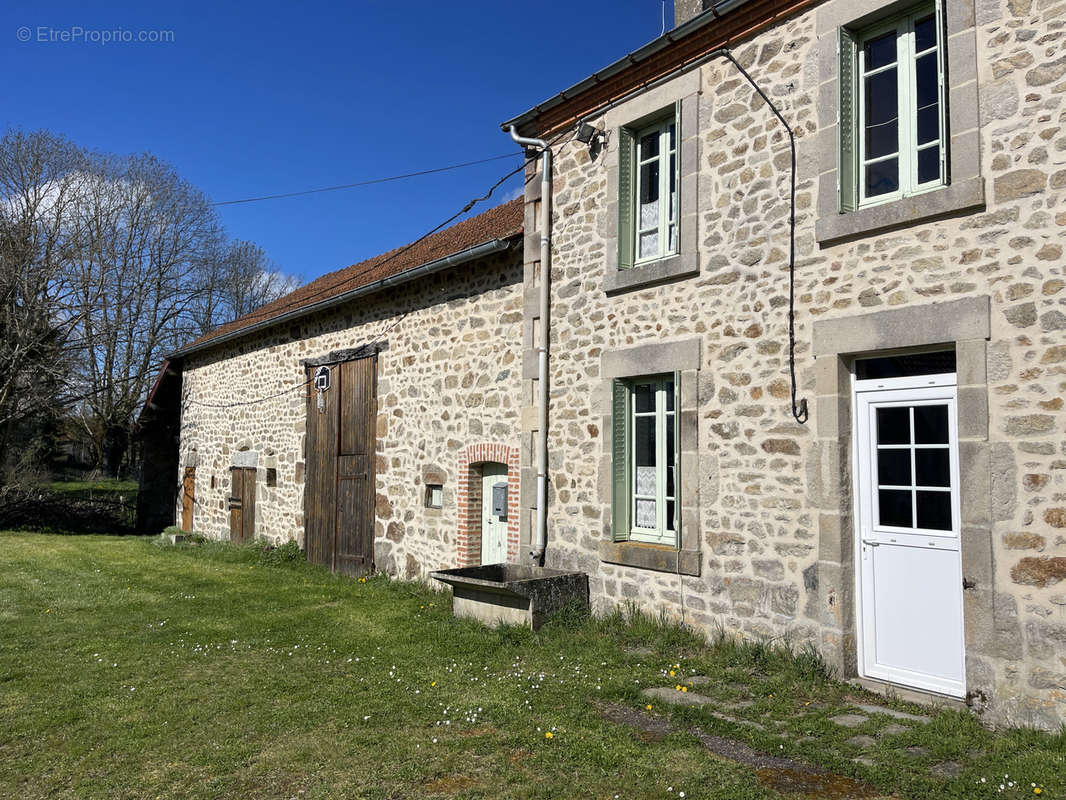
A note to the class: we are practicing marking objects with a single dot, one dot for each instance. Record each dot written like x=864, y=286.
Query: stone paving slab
x=871, y=709
x=848, y=720
x=862, y=741
x=668, y=694
x=893, y=728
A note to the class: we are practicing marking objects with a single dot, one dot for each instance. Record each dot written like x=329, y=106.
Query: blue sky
x=262, y=98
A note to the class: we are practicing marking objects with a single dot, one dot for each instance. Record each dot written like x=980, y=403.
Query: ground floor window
x=645, y=459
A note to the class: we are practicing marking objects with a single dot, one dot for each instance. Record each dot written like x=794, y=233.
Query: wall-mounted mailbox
x=499, y=499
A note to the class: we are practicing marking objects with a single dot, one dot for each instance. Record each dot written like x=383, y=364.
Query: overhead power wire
x=363, y=183
x=349, y=279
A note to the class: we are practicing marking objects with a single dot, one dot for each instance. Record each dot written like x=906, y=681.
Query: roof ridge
x=499, y=222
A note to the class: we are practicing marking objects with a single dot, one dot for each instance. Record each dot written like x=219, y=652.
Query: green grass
x=132, y=670
x=106, y=486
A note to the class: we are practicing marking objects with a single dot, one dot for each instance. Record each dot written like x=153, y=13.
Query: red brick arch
x=468, y=540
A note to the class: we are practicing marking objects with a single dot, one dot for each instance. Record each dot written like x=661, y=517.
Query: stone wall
x=448, y=378
x=761, y=478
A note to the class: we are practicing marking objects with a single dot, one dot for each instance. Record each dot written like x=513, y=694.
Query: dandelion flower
x=672, y=673
x=648, y=706
x=677, y=688
x=549, y=735
x=1038, y=790
x=684, y=688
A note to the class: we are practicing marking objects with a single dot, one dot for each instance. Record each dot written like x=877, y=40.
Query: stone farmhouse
x=777, y=348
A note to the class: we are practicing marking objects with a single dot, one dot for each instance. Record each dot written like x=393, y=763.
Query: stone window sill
x=651, y=556
x=956, y=198
x=682, y=265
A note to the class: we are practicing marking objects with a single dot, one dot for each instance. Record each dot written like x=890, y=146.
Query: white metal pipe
x=537, y=554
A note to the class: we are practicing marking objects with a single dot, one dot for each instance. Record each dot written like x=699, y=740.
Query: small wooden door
x=493, y=523
x=339, y=493
x=188, y=498
x=242, y=505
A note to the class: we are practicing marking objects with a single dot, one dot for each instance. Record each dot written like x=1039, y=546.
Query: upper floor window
x=648, y=193
x=892, y=126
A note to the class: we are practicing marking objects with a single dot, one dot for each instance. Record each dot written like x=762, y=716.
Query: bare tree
x=143, y=233
x=238, y=278
x=39, y=191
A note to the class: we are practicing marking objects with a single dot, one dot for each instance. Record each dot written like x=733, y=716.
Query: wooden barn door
x=339, y=499
x=242, y=505
x=188, y=498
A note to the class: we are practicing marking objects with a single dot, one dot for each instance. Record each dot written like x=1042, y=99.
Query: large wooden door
x=188, y=498
x=242, y=505
x=339, y=493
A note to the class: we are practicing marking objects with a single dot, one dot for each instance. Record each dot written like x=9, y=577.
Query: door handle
x=871, y=542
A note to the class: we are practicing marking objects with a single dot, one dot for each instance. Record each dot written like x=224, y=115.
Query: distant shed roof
x=498, y=224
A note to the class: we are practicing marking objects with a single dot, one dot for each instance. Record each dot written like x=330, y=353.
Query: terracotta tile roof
x=502, y=222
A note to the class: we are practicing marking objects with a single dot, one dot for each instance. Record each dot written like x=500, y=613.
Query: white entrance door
x=493, y=523
x=910, y=571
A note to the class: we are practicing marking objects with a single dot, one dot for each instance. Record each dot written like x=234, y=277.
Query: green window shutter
x=626, y=184
x=847, y=164
x=678, y=488
x=619, y=461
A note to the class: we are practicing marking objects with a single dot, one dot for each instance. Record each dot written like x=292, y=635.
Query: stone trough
x=512, y=593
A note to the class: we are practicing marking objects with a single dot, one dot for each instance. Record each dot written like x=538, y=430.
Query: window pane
x=649, y=145
x=895, y=507
x=644, y=397
x=932, y=467
x=882, y=112
x=645, y=516
x=673, y=136
x=924, y=34
x=672, y=246
x=668, y=388
x=649, y=195
x=928, y=164
x=931, y=424
x=670, y=482
x=934, y=510
x=649, y=244
x=880, y=51
x=673, y=186
x=893, y=426
x=925, y=80
x=644, y=444
x=670, y=515
x=929, y=124
x=645, y=482
x=882, y=177
x=894, y=467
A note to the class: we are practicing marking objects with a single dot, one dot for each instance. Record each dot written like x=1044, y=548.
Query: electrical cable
x=376, y=265
x=362, y=183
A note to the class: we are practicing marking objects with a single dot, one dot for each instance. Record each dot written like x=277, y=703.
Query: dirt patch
x=783, y=775
x=449, y=784
x=649, y=727
x=822, y=785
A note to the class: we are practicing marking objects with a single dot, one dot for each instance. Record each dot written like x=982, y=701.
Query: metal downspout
x=537, y=554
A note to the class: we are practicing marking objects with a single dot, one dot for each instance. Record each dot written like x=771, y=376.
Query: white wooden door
x=910, y=571
x=493, y=525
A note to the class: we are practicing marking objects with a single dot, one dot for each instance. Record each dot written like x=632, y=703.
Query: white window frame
x=906, y=83
x=660, y=534
x=668, y=212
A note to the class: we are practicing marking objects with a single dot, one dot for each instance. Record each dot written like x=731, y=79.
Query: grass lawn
x=106, y=486
x=130, y=670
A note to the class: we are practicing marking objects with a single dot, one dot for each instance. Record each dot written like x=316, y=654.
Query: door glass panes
x=654, y=478
x=657, y=201
x=913, y=463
